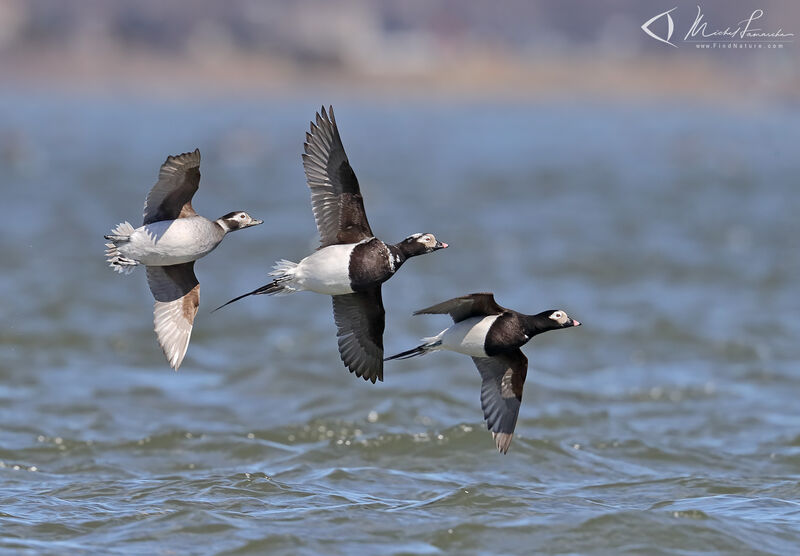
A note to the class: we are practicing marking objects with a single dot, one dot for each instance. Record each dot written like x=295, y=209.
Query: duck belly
x=326, y=271
x=468, y=336
x=171, y=241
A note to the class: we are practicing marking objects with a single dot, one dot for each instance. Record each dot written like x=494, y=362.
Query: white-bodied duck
x=172, y=237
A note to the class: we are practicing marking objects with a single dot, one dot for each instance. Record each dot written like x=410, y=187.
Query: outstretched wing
x=335, y=196
x=503, y=377
x=360, y=319
x=177, y=294
x=466, y=306
x=171, y=196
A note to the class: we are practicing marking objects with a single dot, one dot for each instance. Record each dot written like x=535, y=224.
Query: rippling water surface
x=668, y=423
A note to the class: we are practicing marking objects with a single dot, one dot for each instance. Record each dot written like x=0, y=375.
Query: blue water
x=667, y=424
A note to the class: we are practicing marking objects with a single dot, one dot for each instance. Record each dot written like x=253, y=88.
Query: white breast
x=172, y=241
x=468, y=336
x=326, y=271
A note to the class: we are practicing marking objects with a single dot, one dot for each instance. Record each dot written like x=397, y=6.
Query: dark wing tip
x=309, y=140
x=314, y=128
x=427, y=311
x=325, y=116
x=363, y=371
x=359, y=321
x=184, y=158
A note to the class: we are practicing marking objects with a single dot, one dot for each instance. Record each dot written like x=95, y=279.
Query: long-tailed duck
x=171, y=238
x=351, y=263
x=492, y=335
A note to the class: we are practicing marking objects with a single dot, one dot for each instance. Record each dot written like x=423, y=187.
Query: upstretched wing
x=466, y=306
x=503, y=377
x=171, y=196
x=335, y=196
x=360, y=320
x=177, y=294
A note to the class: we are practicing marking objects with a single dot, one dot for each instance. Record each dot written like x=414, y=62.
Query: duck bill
x=254, y=223
x=440, y=245
x=576, y=322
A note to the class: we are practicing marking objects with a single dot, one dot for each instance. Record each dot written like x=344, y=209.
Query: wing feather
x=360, y=319
x=177, y=294
x=503, y=377
x=466, y=306
x=171, y=196
x=335, y=194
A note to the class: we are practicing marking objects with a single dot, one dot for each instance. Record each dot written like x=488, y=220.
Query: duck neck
x=398, y=255
x=536, y=324
x=223, y=225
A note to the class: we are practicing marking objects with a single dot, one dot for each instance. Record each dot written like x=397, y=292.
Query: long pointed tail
x=272, y=288
x=283, y=270
x=419, y=350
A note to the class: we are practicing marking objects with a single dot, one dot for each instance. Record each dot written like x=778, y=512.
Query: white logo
x=741, y=35
x=670, y=27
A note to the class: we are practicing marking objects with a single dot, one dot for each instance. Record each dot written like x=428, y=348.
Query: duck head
x=237, y=221
x=420, y=244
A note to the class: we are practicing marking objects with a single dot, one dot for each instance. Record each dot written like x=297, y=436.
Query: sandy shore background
x=447, y=49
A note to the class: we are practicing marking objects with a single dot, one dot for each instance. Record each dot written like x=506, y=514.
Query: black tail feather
x=269, y=289
x=419, y=350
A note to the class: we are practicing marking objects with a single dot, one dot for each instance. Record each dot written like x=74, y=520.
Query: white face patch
x=427, y=240
x=237, y=221
x=561, y=317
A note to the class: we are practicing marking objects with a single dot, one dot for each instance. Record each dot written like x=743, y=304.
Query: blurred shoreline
x=482, y=76
x=383, y=49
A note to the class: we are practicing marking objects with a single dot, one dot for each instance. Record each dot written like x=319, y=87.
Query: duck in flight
x=492, y=335
x=351, y=263
x=172, y=237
